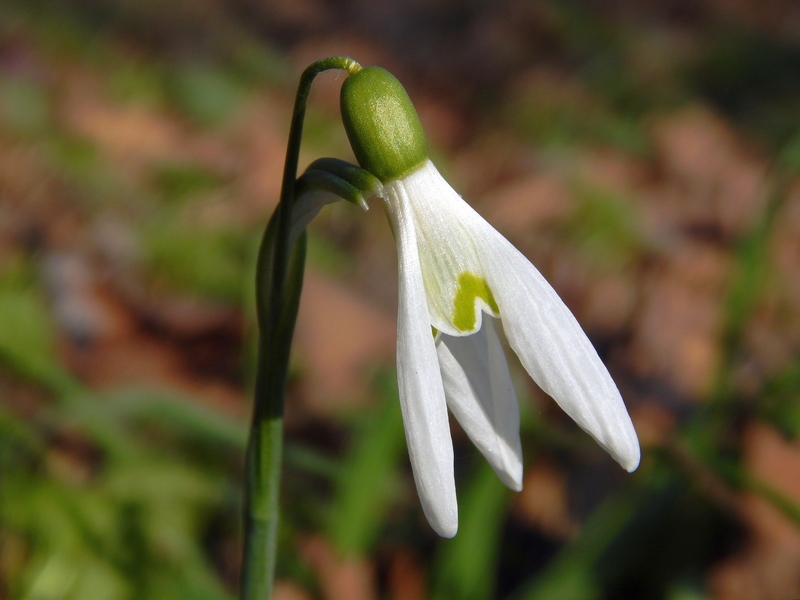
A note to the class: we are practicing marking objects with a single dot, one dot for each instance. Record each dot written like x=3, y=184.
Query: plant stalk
x=279, y=277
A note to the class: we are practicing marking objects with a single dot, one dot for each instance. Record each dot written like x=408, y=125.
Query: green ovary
x=470, y=288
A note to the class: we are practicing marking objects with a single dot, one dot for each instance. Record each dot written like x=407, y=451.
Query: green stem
x=290, y=171
x=279, y=277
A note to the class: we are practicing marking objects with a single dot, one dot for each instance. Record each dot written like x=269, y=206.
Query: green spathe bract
x=382, y=124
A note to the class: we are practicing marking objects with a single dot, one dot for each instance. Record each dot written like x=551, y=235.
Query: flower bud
x=382, y=125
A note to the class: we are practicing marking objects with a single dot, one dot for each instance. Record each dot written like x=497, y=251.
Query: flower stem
x=279, y=277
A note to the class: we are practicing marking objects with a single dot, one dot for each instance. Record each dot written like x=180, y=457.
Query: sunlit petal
x=552, y=346
x=420, y=383
x=481, y=396
x=447, y=249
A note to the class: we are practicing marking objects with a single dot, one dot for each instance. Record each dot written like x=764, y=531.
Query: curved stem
x=284, y=212
x=279, y=277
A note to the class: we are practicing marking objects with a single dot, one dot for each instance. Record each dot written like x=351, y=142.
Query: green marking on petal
x=434, y=331
x=470, y=288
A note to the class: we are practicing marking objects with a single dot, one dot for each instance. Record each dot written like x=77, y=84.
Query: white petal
x=446, y=247
x=481, y=396
x=540, y=328
x=554, y=349
x=422, y=399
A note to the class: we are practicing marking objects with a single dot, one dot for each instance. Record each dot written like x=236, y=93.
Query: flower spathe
x=460, y=276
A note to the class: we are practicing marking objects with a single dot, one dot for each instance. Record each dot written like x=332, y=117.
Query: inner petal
x=472, y=295
x=456, y=287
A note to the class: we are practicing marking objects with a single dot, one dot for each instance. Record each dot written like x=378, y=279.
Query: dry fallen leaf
x=543, y=500
x=351, y=578
x=713, y=178
x=676, y=336
x=339, y=338
x=769, y=567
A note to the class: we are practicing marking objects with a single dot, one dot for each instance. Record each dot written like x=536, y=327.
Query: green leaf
x=573, y=574
x=367, y=481
x=605, y=227
x=26, y=341
x=206, y=93
x=181, y=181
x=24, y=107
x=465, y=565
x=180, y=415
x=206, y=260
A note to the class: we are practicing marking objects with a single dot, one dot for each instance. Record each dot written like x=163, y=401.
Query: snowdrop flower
x=459, y=278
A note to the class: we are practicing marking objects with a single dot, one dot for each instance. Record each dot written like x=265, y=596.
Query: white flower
x=460, y=276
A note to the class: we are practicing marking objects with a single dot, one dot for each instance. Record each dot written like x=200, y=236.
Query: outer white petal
x=542, y=331
x=552, y=346
x=481, y=396
x=422, y=399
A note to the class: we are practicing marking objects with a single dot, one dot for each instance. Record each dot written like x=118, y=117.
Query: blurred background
x=645, y=156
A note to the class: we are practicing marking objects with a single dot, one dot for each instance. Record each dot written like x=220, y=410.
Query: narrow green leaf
x=573, y=574
x=367, y=480
x=26, y=344
x=466, y=565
